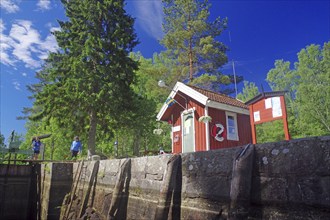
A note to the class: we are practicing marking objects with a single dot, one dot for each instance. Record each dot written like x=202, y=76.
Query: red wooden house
x=187, y=105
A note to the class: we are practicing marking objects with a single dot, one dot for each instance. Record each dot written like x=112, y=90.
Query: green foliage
x=250, y=90
x=313, y=90
x=270, y=131
x=2, y=140
x=151, y=97
x=14, y=141
x=308, y=83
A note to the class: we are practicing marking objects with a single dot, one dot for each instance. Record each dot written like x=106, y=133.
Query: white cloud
x=43, y=4
x=26, y=38
x=9, y=6
x=49, y=45
x=24, y=44
x=5, y=44
x=24, y=74
x=2, y=26
x=150, y=17
x=16, y=85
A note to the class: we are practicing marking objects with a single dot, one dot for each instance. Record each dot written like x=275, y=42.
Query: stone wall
x=291, y=180
x=283, y=180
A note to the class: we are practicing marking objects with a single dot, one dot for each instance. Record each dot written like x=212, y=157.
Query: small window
x=232, y=132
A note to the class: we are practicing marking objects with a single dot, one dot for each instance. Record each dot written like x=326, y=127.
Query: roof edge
x=265, y=95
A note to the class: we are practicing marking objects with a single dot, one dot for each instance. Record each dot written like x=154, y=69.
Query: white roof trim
x=179, y=86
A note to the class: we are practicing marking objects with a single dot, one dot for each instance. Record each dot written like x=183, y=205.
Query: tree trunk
x=190, y=63
x=92, y=131
x=191, y=77
x=191, y=70
x=136, y=144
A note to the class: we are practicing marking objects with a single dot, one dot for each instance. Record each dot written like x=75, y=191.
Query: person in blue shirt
x=36, y=147
x=76, y=147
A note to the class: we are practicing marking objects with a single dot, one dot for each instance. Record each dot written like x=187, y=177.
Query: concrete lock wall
x=18, y=191
x=292, y=179
x=283, y=180
x=55, y=184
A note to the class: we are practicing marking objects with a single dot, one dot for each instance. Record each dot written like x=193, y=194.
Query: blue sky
x=259, y=33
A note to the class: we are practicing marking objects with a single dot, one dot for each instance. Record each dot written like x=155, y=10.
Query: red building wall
x=176, y=136
x=200, y=138
x=243, y=126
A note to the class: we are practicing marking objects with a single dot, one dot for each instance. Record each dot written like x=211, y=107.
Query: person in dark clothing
x=36, y=147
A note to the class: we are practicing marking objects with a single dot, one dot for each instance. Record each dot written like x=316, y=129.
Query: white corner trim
x=207, y=130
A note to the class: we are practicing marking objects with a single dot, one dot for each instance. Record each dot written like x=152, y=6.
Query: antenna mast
x=234, y=77
x=234, y=72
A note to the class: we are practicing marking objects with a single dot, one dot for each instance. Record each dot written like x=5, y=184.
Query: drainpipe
x=207, y=130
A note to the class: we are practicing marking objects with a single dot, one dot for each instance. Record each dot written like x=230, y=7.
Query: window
x=232, y=132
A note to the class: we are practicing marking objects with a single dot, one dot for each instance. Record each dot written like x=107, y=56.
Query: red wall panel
x=243, y=126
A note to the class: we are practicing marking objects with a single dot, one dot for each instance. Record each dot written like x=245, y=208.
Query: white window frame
x=232, y=137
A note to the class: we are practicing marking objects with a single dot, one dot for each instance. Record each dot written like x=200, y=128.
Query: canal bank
x=282, y=180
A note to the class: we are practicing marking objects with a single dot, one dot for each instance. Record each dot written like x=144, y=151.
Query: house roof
x=265, y=95
x=221, y=98
x=207, y=98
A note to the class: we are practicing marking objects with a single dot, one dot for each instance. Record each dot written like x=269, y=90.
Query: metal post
x=43, y=151
x=116, y=148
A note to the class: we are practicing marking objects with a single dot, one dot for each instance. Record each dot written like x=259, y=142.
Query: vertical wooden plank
x=285, y=119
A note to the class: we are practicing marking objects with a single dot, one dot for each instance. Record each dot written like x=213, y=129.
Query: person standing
x=75, y=147
x=36, y=147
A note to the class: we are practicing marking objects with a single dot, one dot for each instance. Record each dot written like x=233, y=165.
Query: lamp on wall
x=162, y=84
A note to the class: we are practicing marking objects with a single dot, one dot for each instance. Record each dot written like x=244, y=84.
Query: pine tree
x=89, y=79
x=191, y=41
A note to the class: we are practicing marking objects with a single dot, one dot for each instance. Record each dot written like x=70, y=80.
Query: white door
x=188, y=140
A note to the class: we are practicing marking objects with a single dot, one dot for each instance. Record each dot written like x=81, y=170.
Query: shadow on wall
x=119, y=201
x=176, y=208
x=169, y=202
x=219, y=182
